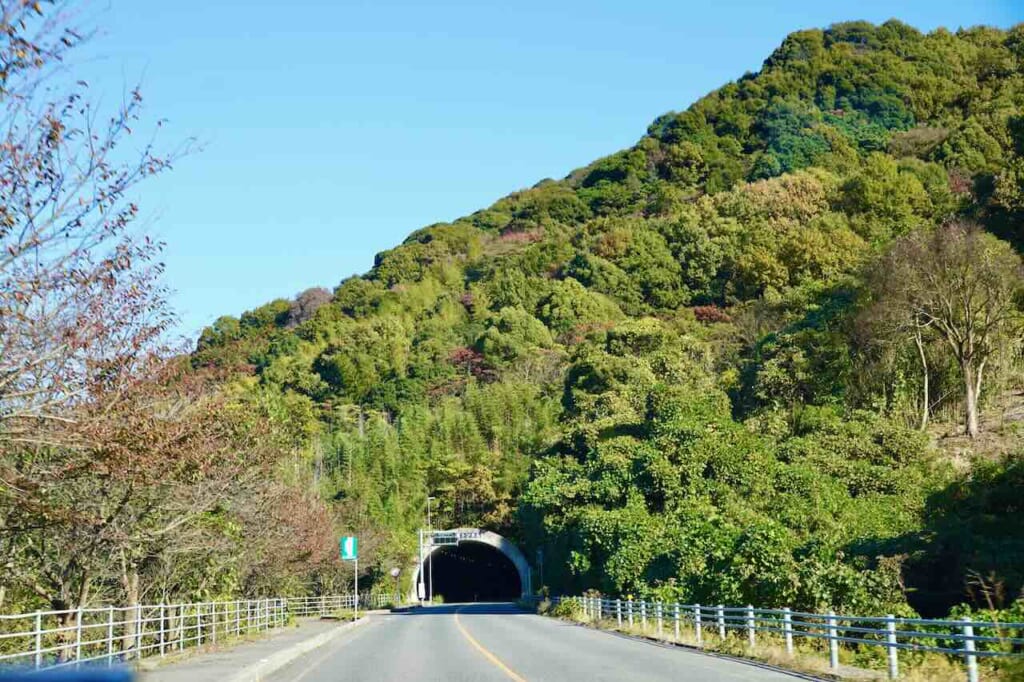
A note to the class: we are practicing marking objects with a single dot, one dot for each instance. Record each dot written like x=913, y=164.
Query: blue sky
x=331, y=130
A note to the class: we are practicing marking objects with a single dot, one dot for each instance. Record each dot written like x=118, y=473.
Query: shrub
x=569, y=609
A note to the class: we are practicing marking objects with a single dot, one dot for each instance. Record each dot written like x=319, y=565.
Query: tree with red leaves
x=81, y=307
x=80, y=300
x=121, y=469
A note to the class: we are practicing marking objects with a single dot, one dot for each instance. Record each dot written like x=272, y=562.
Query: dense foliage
x=679, y=369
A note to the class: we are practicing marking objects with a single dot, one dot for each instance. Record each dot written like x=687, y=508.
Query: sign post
x=349, y=547
x=430, y=557
x=540, y=565
x=419, y=573
x=395, y=572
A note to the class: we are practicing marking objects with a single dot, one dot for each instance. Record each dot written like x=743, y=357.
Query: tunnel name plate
x=447, y=538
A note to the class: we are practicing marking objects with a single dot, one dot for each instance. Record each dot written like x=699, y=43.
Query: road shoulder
x=254, y=660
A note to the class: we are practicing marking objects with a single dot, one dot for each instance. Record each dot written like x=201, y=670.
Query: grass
x=224, y=641
x=342, y=614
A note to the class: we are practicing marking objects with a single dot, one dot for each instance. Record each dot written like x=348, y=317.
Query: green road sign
x=349, y=548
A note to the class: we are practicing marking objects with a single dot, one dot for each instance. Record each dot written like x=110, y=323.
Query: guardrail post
x=163, y=633
x=213, y=624
x=78, y=636
x=643, y=615
x=675, y=620
x=138, y=631
x=110, y=635
x=721, y=621
x=833, y=643
x=39, y=640
x=618, y=611
x=697, y=624
x=629, y=609
x=787, y=629
x=892, y=652
x=750, y=626
x=969, y=658
x=657, y=609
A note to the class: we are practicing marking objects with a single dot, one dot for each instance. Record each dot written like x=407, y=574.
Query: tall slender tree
x=961, y=284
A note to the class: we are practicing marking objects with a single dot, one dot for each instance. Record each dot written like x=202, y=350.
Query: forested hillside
x=769, y=354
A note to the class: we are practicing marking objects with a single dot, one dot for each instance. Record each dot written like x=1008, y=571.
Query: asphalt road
x=500, y=643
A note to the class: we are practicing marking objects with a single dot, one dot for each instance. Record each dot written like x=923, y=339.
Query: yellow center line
x=487, y=654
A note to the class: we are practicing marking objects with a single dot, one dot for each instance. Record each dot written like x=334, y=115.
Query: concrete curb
x=265, y=666
x=405, y=609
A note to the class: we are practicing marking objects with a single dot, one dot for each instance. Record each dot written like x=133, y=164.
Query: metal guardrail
x=120, y=634
x=967, y=640
x=306, y=607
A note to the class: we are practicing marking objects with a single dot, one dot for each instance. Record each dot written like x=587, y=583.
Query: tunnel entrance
x=472, y=571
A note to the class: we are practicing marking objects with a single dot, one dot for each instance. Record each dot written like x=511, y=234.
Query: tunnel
x=471, y=572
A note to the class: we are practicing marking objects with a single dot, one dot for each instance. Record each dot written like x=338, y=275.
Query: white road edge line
x=274, y=662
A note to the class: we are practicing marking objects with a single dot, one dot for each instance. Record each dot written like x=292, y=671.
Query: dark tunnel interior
x=472, y=571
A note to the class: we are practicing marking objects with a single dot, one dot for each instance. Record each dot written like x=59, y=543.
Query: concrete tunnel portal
x=483, y=566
